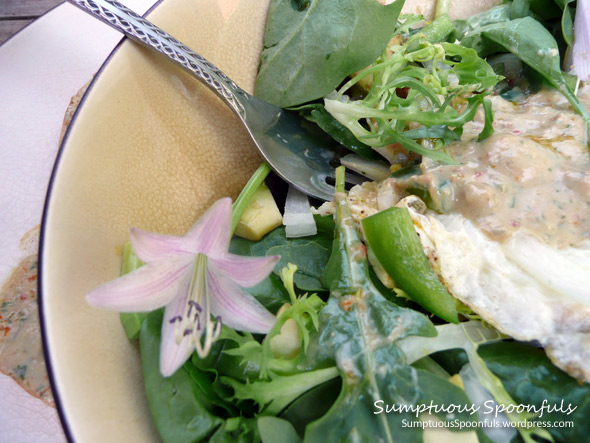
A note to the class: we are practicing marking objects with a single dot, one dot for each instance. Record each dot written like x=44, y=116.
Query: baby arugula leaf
x=359, y=329
x=310, y=47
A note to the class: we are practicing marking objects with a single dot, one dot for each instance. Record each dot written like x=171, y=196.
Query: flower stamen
x=197, y=320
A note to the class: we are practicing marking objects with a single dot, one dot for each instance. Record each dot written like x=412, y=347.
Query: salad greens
x=322, y=40
x=343, y=349
x=360, y=330
x=533, y=44
x=355, y=354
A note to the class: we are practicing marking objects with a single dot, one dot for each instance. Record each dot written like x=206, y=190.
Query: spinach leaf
x=270, y=292
x=533, y=44
x=309, y=254
x=310, y=48
x=567, y=21
x=497, y=14
x=541, y=10
x=359, y=329
x=180, y=409
x=357, y=410
x=530, y=378
x=312, y=405
x=546, y=11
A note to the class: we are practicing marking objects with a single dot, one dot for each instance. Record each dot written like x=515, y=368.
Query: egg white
x=526, y=289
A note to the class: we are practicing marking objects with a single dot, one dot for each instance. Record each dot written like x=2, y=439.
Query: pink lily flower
x=198, y=281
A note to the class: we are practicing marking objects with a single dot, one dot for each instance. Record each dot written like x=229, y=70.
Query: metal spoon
x=296, y=152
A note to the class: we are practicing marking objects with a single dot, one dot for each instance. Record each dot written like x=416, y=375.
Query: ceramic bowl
x=149, y=147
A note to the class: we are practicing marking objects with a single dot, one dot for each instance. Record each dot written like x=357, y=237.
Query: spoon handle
x=146, y=33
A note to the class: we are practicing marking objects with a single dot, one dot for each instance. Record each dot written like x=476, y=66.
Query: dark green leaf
x=494, y=15
x=520, y=9
x=179, y=408
x=309, y=51
x=355, y=413
x=442, y=132
x=530, y=378
x=310, y=254
x=312, y=405
x=270, y=292
x=541, y=10
x=533, y=44
x=567, y=22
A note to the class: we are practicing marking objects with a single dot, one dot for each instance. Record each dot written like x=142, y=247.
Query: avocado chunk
x=260, y=217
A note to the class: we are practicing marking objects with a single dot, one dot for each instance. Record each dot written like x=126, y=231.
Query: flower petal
x=245, y=271
x=172, y=354
x=145, y=289
x=150, y=246
x=211, y=233
x=581, y=48
x=236, y=308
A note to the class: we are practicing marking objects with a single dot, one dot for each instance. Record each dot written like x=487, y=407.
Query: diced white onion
x=298, y=219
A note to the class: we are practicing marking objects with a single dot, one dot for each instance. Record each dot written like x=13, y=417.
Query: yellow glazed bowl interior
x=149, y=147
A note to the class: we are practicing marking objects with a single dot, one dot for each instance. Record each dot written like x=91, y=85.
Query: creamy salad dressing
x=532, y=174
x=21, y=353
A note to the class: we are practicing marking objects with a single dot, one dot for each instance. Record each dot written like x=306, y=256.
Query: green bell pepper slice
x=391, y=236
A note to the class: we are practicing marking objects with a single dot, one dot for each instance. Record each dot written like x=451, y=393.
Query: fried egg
x=508, y=231
x=524, y=288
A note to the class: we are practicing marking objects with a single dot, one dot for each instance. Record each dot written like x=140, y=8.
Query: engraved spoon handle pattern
x=146, y=33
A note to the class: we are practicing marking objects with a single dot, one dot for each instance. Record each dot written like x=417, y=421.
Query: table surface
x=16, y=14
